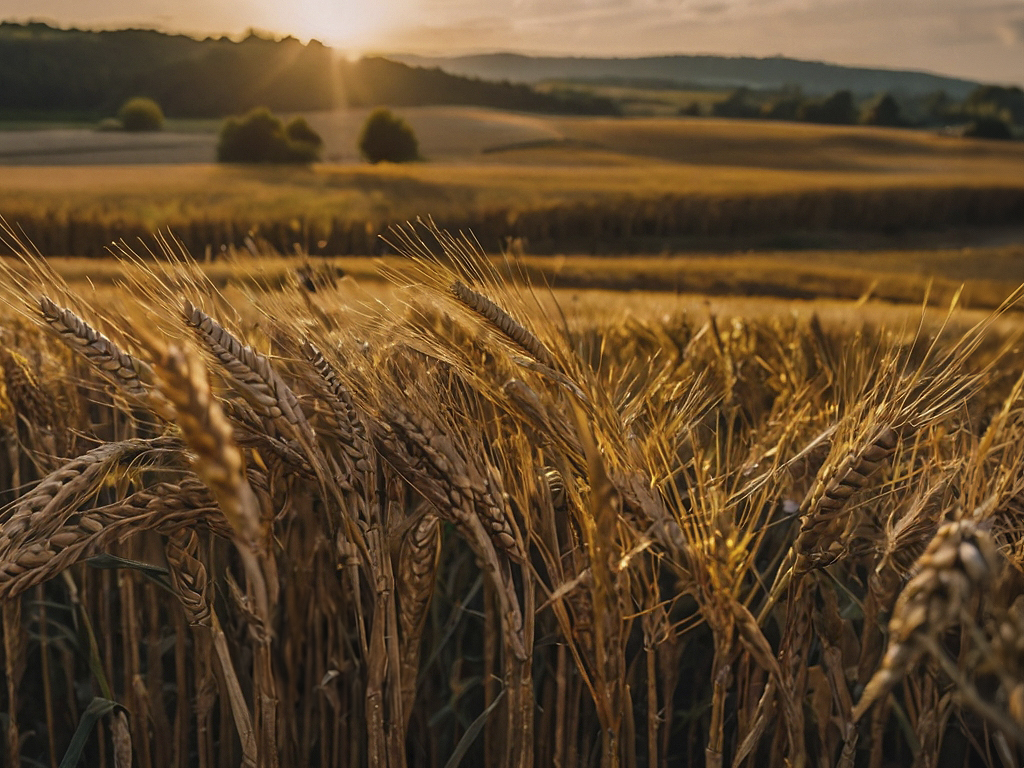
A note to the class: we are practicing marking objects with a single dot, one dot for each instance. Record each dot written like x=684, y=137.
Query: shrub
x=298, y=130
x=997, y=101
x=261, y=137
x=386, y=136
x=141, y=114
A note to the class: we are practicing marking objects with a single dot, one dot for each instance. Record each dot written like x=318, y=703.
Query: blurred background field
x=538, y=154
x=470, y=134
x=549, y=184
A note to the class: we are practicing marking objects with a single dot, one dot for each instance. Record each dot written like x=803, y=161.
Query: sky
x=977, y=39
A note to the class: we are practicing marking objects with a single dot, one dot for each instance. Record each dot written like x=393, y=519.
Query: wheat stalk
x=29, y=400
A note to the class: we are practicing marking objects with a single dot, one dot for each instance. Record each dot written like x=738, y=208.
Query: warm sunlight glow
x=346, y=24
x=974, y=39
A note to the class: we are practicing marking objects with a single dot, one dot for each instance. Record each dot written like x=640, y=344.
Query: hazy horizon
x=972, y=39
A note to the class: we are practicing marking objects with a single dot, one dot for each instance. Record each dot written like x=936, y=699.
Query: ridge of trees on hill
x=45, y=70
x=686, y=71
x=377, y=80
x=75, y=73
x=988, y=106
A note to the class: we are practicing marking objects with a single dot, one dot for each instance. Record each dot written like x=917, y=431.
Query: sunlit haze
x=978, y=39
x=349, y=24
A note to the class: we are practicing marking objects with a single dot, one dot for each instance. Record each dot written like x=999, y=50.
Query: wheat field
x=463, y=520
x=559, y=184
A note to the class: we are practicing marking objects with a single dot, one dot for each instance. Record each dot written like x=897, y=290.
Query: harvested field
x=334, y=522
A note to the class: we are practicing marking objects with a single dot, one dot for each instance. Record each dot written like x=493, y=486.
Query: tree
x=737, y=104
x=837, y=109
x=937, y=106
x=988, y=128
x=386, y=136
x=884, y=111
x=141, y=114
x=1005, y=103
x=784, y=108
x=261, y=137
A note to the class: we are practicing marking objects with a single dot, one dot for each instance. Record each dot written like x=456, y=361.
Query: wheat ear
x=417, y=570
x=958, y=563
x=257, y=381
x=165, y=507
x=189, y=576
x=503, y=321
x=183, y=380
x=353, y=432
x=43, y=509
x=821, y=508
x=24, y=391
x=128, y=372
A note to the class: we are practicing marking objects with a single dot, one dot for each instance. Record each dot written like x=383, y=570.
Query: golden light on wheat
x=286, y=528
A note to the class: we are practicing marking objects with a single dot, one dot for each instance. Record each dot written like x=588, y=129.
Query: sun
x=346, y=24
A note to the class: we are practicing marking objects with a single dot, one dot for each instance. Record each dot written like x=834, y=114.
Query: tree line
x=988, y=109
x=69, y=73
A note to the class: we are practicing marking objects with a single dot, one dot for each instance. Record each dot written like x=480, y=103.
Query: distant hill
x=69, y=73
x=374, y=80
x=812, y=77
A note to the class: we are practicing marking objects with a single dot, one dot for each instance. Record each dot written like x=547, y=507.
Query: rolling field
x=795, y=146
x=161, y=195
x=445, y=133
x=587, y=184
x=474, y=134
